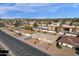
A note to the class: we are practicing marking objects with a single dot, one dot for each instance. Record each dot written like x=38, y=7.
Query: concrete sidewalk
x=21, y=37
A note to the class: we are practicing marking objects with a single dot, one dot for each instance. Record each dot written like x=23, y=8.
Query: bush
x=11, y=30
x=34, y=42
x=19, y=33
x=58, y=46
x=17, y=24
x=39, y=31
x=28, y=28
x=35, y=24
x=44, y=32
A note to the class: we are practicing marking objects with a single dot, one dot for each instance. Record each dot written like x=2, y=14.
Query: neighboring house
x=63, y=28
x=44, y=30
x=2, y=24
x=31, y=23
x=50, y=31
x=59, y=28
x=23, y=36
x=69, y=28
x=69, y=41
x=40, y=29
x=53, y=26
x=77, y=29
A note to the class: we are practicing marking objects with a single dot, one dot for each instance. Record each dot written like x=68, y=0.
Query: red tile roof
x=69, y=40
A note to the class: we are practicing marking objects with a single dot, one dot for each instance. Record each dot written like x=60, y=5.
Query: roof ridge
x=70, y=40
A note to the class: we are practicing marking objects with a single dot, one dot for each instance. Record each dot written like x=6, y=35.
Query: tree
x=71, y=23
x=17, y=23
x=58, y=46
x=35, y=24
x=77, y=50
x=56, y=20
x=49, y=22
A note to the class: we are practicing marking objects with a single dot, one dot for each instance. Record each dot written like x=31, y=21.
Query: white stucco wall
x=51, y=31
x=64, y=44
x=45, y=30
x=26, y=34
x=71, y=34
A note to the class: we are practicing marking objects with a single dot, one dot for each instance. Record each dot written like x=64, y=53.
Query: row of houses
x=53, y=26
x=57, y=28
x=54, y=32
x=65, y=28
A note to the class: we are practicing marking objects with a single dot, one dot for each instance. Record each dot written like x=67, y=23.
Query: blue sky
x=39, y=10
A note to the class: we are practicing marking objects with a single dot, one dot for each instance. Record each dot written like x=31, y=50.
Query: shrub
x=34, y=42
x=58, y=46
x=19, y=33
x=28, y=28
x=45, y=32
x=38, y=31
x=11, y=30
x=35, y=24
x=17, y=24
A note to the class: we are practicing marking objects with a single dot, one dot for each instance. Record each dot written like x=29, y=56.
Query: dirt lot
x=27, y=31
x=51, y=48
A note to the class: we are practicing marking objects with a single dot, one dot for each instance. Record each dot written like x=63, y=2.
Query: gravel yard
x=51, y=48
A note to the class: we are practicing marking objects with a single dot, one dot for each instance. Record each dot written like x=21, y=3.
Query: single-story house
x=44, y=30
x=40, y=29
x=69, y=41
x=23, y=36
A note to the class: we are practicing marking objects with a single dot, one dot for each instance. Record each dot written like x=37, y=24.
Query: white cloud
x=4, y=9
x=32, y=4
x=7, y=8
x=29, y=7
x=38, y=7
x=75, y=5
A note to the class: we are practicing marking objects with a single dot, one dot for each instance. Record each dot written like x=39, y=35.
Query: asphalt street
x=18, y=47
